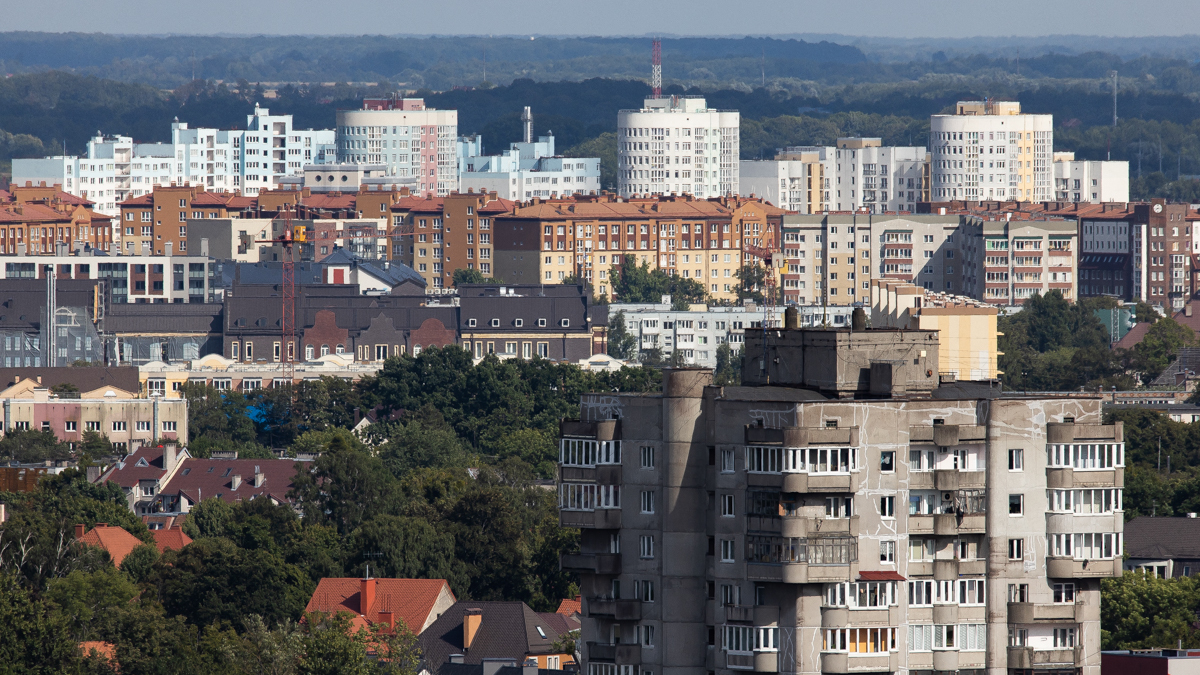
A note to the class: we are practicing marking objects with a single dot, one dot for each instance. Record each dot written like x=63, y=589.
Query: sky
x=874, y=18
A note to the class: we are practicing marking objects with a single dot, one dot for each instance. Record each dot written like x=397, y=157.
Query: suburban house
x=232, y=480
x=1164, y=547
x=115, y=540
x=417, y=602
x=170, y=539
x=143, y=473
x=473, y=632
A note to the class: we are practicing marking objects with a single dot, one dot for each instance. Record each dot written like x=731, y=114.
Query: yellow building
x=967, y=334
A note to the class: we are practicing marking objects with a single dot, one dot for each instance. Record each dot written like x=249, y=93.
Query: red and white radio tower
x=656, y=69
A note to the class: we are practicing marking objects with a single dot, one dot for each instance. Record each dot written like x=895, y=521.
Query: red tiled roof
x=31, y=213
x=209, y=199
x=410, y=599
x=885, y=575
x=418, y=205
x=328, y=202
x=569, y=606
x=172, y=539
x=144, y=200
x=68, y=198
x=145, y=464
x=105, y=650
x=1134, y=335
x=240, y=202
x=199, y=479
x=115, y=540
x=499, y=205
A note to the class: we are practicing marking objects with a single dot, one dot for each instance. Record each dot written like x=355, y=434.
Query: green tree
x=138, y=564
x=468, y=276
x=344, y=487
x=86, y=600
x=405, y=548
x=36, y=640
x=727, y=371
x=217, y=414
x=1160, y=347
x=33, y=446
x=752, y=283
x=1139, y=611
x=621, y=343
x=634, y=283
x=210, y=518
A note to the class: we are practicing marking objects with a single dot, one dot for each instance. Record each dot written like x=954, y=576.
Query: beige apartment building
x=966, y=327
x=1007, y=261
x=817, y=520
x=991, y=150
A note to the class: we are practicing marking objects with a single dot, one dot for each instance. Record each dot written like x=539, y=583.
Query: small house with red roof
x=115, y=540
x=231, y=480
x=418, y=602
x=171, y=539
x=143, y=474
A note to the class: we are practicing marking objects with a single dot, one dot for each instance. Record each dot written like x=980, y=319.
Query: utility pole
x=1160, y=454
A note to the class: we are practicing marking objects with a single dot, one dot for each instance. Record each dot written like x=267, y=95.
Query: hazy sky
x=891, y=18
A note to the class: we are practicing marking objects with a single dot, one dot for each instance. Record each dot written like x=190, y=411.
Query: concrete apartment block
x=841, y=513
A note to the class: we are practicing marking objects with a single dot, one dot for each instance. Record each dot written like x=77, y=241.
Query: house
x=143, y=473
x=232, y=480
x=115, y=540
x=1164, y=547
x=163, y=521
x=571, y=607
x=418, y=602
x=494, y=630
x=171, y=539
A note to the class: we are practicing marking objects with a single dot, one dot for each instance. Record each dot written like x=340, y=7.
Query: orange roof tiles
x=172, y=539
x=569, y=606
x=410, y=599
x=115, y=540
x=106, y=651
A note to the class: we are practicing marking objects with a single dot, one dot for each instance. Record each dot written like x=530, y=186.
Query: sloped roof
x=142, y=200
x=1163, y=538
x=410, y=599
x=198, y=479
x=1134, y=335
x=570, y=606
x=115, y=540
x=171, y=539
x=144, y=464
x=560, y=623
x=506, y=630
x=31, y=213
x=418, y=204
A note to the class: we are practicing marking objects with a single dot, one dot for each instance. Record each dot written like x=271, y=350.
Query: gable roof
x=570, y=606
x=413, y=600
x=199, y=479
x=507, y=630
x=171, y=539
x=146, y=463
x=115, y=540
x=1163, y=538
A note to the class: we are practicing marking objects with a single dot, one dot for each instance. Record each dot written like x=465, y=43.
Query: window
x=169, y=426
x=91, y=426
x=1016, y=549
x=859, y=640
x=588, y=496
x=972, y=637
x=970, y=592
x=920, y=460
x=861, y=595
x=120, y=426
x=643, y=590
x=731, y=595
x=887, y=461
x=920, y=593
x=1086, y=456
x=764, y=459
x=1018, y=592
x=1016, y=505
x=920, y=638
x=887, y=551
x=71, y=426
x=647, y=546
x=727, y=550
x=1064, y=593
x=1018, y=637
x=727, y=506
x=839, y=507
x=647, y=457
x=727, y=461
x=143, y=426
x=887, y=507
x=647, y=501
x=1016, y=459
x=1064, y=638
x=943, y=636
x=920, y=549
x=645, y=636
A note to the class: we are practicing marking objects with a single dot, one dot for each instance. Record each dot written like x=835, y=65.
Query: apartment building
x=44, y=220
x=832, y=258
x=556, y=321
x=588, y=236
x=966, y=327
x=406, y=137
x=526, y=170
x=990, y=150
x=676, y=145
x=143, y=279
x=1162, y=246
x=1095, y=182
x=800, y=527
x=117, y=168
x=867, y=175
x=795, y=180
x=120, y=415
x=155, y=223
x=457, y=231
x=1105, y=255
x=1007, y=260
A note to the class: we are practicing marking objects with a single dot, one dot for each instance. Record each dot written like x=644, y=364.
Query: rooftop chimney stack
x=527, y=124
x=236, y=482
x=366, y=595
x=471, y=622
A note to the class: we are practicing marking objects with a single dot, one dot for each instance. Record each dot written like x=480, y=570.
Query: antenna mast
x=656, y=68
x=1113, y=75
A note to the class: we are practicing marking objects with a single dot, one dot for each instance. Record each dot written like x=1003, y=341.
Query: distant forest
x=63, y=89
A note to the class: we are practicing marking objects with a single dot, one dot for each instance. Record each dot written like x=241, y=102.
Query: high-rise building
x=870, y=176
x=406, y=137
x=1089, y=181
x=678, y=145
x=795, y=180
x=117, y=168
x=1006, y=260
x=840, y=512
x=526, y=170
x=990, y=150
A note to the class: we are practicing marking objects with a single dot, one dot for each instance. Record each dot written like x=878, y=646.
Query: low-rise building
x=230, y=480
x=416, y=603
x=112, y=539
x=1162, y=547
x=966, y=328
x=166, y=380
x=556, y=322
x=1093, y=181
x=45, y=220
x=144, y=471
x=477, y=631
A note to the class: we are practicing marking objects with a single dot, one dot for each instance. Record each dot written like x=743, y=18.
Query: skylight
x=541, y=632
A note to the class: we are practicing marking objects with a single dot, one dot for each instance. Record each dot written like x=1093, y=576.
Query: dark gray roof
x=506, y=630
x=477, y=669
x=195, y=317
x=272, y=273
x=392, y=272
x=1163, y=538
x=528, y=305
x=23, y=301
x=258, y=307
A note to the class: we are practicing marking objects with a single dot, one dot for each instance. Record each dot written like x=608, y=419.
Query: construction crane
x=288, y=237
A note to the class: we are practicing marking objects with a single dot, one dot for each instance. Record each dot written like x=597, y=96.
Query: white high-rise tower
x=677, y=144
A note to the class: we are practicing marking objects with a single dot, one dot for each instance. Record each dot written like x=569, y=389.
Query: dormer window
x=470, y=323
x=495, y=323
x=518, y=322
x=541, y=323
x=142, y=462
x=565, y=323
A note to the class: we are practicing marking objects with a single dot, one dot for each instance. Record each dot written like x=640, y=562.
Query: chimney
x=366, y=595
x=1187, y=310
x=471, y=621
x=236, y=482
x=170, y=456
x=79, y=528
x=259, y=478
x=388, y=619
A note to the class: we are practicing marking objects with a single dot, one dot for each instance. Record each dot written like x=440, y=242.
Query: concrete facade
x=783, y=529
x=409, y=139
x=1090, y=181
x=990, y=150
x=678, y=145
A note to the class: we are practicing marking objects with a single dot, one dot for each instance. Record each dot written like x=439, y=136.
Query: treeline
x=442, y=485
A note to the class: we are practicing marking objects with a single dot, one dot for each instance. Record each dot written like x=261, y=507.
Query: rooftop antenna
x=1113, y=75
x=764, y=67
x=656, y=68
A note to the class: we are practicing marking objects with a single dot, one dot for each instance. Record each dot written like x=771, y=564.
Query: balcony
x=739, y=614
x=806, y=526
x=1028, y=657
x=604, y=430
x=949, y=524
x=845, y=663
x=1030, y=612
x=739, y=661
x=620, y=610
x=591, y=563
x=1069, y=568
x=920, y=480
x=600, y=519
x=1067, y=478
x=621, y=654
